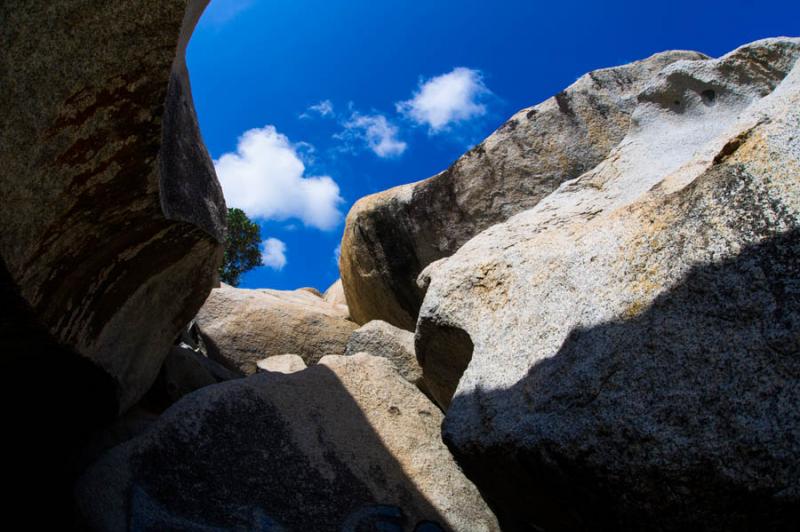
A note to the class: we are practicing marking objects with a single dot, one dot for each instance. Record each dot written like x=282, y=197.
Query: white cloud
x=337, y=252
x=273, y=253
x=378, y=133
x=447, y=99
x=265, y=178
x=323, y=109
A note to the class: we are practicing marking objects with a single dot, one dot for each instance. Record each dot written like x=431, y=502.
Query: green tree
x=241, y=249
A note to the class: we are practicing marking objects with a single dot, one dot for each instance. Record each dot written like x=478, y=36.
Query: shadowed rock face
x=345, y=445
x=114, y=216
x=51, y=400
x=391, y=236
x=633, y=361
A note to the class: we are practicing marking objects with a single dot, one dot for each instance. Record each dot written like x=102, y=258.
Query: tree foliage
x=241, y=248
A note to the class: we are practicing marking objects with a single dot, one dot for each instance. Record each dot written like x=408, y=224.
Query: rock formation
x=347, y=444
x=240, y=327
x=629, y=346
x=605, y=295
x=382, y=339
x=111, y=226
x=391, y=236
x=115, y=217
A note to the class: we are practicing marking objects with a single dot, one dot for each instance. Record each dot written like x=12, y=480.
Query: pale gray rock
x=287, y=363
x=240, y=326
x=382, y=339
x=630, y=346
x=113, y=233
x=391, y=236
x=347, y=444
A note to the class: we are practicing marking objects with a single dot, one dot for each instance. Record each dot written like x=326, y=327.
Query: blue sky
x=307, y=105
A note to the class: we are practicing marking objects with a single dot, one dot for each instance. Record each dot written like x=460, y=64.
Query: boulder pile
x=590, y=321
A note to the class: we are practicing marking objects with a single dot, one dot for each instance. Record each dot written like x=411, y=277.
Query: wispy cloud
x=376, y=132
x=220, y=12
x=447, y=99
x=323, y=109
x=337, y=252
x=273, y=253
x=265, y=177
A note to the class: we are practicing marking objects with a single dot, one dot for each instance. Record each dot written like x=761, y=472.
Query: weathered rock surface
x=114, y=237
x=343, y=445
x=632, y=343
x=287, y=363
x=391, y=236
x=240, y=327
x=382, y=339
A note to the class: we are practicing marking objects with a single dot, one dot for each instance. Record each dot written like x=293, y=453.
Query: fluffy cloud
x=447, y=99
x=265, y=178
x=273, y=253
x=377, y=132
x=323, y=108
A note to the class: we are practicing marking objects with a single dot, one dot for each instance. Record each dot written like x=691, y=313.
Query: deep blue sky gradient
x=260, y=62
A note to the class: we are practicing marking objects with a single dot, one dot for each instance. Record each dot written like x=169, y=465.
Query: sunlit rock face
x=287, y=363
x=630, y=344
x=391, y=236
x=347, y=444
x=335, y=294
x=114, y=217
x=241, y=326
x=382, y=339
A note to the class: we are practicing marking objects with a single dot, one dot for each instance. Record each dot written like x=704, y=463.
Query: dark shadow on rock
x=184, y=370
x=51, y=400
x=233, y=456
x=685, y=416
x=443, y=356
x=214, y=353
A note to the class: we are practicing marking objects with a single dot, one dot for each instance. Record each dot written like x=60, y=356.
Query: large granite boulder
x=630, y=347
x=346, y=445
x=240, y=326
x=114, y=216
x=391, y=236
x=382, y=339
